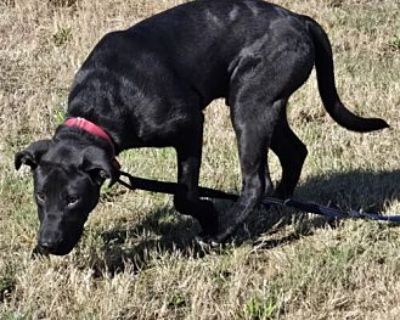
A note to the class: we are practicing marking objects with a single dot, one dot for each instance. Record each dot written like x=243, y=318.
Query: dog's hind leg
x=186, y=200
x=254, y=123
x=258, y=96
x=291, y=153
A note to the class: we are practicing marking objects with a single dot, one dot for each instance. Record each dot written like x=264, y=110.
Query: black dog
x=147, y=87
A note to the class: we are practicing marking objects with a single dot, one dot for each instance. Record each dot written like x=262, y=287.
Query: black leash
x=169, y=187
x=329, y=212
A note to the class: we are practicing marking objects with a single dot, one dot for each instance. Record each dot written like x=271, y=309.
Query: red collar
x=89, y=127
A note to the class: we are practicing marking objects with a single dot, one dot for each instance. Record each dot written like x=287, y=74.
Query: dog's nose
x=50, y=238
x=48, y=245
x=50, y=241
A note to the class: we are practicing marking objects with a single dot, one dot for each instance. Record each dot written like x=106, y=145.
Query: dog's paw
x=207, y=241
x=216, y=228
x=211, y=244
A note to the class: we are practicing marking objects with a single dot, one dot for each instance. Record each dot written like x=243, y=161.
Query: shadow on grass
x=165, y=231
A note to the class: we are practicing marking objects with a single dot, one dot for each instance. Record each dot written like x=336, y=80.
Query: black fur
x=148, y=85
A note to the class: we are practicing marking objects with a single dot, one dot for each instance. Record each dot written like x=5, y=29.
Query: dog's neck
x=91, y=128
x=86, y=138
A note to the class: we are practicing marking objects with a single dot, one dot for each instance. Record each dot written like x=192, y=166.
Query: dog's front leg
x=187, y=200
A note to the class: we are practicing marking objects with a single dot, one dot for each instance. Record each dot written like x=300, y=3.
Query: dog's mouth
x=59, y=250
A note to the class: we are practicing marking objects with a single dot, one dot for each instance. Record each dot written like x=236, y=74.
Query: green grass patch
x=261, y=308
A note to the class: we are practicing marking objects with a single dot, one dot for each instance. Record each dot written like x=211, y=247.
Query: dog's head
x=67, y=181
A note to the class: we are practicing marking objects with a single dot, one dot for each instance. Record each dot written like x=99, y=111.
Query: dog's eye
x=72, y=201
x=41, y=197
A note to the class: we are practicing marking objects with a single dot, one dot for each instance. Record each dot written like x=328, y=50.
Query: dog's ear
x=32, y=154
x=99, y=165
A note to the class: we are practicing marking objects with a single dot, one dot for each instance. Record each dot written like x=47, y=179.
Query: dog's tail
x=327, y=88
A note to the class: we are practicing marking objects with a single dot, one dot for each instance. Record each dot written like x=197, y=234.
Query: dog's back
x=200, y=42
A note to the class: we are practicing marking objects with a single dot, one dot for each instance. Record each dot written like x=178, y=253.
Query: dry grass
x=136, y=260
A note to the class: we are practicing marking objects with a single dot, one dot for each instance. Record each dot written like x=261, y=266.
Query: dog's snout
x=50, y=240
